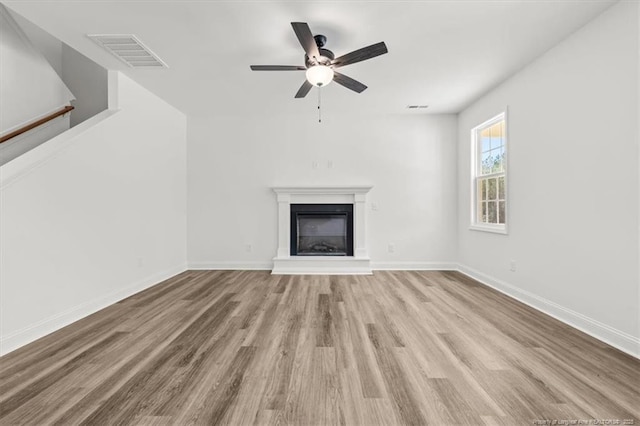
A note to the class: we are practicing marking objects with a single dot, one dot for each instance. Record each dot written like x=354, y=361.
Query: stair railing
x=36, y=123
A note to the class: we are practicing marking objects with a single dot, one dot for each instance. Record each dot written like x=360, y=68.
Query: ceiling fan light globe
x=319, y=75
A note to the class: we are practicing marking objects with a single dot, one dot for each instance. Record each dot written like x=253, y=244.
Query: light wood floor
x=222, y=347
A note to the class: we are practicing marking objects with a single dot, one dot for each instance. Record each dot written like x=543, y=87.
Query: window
x=489, y=177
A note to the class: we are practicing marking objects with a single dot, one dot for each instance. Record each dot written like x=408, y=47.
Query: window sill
x=495, y=229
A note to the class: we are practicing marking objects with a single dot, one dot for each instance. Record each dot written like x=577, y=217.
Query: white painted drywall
x=88, y=82
x=409, y=159
x=29, y=88
x=16, y=146
x=92, y=216
x=45, y=43
x=573, y=181
x=86, y=79
x=638, y=169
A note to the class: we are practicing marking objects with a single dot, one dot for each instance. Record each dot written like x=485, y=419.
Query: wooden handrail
x=36, y=123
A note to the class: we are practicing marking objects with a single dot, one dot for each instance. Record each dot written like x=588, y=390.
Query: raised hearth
x=328, y=245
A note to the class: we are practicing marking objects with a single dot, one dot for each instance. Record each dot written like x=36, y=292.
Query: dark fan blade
x=348, y=82
x=360, y=55
x=277, y=68
x=304, y=89
x=306, y=39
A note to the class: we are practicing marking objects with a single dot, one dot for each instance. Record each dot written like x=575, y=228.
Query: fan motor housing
x=326, y=56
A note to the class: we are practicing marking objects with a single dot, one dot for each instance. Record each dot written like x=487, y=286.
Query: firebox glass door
x=322, y=235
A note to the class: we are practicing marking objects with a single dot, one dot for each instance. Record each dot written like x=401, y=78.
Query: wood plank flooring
x=249, y=348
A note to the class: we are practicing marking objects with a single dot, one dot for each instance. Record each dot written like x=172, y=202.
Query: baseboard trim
x=40, y=329
x=414, y=266
x=607, y=334
x=232, y=265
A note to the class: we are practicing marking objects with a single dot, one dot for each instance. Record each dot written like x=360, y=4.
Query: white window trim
x=489, y=227
x=501, y=228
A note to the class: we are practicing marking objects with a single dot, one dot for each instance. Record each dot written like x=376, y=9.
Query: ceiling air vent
x=417, y=106
x=129, y=50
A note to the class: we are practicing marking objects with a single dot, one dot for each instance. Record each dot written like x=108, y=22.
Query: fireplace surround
x=325, y=231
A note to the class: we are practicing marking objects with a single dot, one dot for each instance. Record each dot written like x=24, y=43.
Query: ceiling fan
x=320, y=63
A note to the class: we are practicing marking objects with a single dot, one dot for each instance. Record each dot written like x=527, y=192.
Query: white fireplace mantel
x=359, y=263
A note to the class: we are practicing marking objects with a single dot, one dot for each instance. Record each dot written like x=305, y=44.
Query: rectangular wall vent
x=129, y=49
x=417, y=106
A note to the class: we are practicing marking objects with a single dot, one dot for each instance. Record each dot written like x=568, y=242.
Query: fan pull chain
x=319, y=104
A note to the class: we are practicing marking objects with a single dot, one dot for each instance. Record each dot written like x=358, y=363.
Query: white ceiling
x=441, y=53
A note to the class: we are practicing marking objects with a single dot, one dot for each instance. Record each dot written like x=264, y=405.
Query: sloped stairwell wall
x=92, y=216
x=86, y=79
x=30, y=89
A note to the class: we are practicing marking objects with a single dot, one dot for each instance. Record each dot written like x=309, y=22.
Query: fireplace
x=321, y=230
x=330, y=238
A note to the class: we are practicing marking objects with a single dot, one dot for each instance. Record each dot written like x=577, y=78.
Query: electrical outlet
x=512, y=266
x=391, y=248
x=140, y=262
x=248, y=248
x=374, y=206
x=330, y=164
x=315, y=164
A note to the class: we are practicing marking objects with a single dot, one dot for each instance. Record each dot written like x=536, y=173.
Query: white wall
x=638, y=169
x=573, y=181
x=86, y=79
x=93, y=215
x=18, y=145
x=49, y=46
x=29, y=87
x=88, y=82
x=409, y=159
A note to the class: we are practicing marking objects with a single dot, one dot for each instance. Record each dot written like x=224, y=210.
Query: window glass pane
x=496, y=165
x=483, y=189
x=496, y=135
x=492, y=212
x=487, y=162
x=501, y=212
x=485, y=144
x=492, y=161
x=492, y=190
x=501, y=188
x=484, y=212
